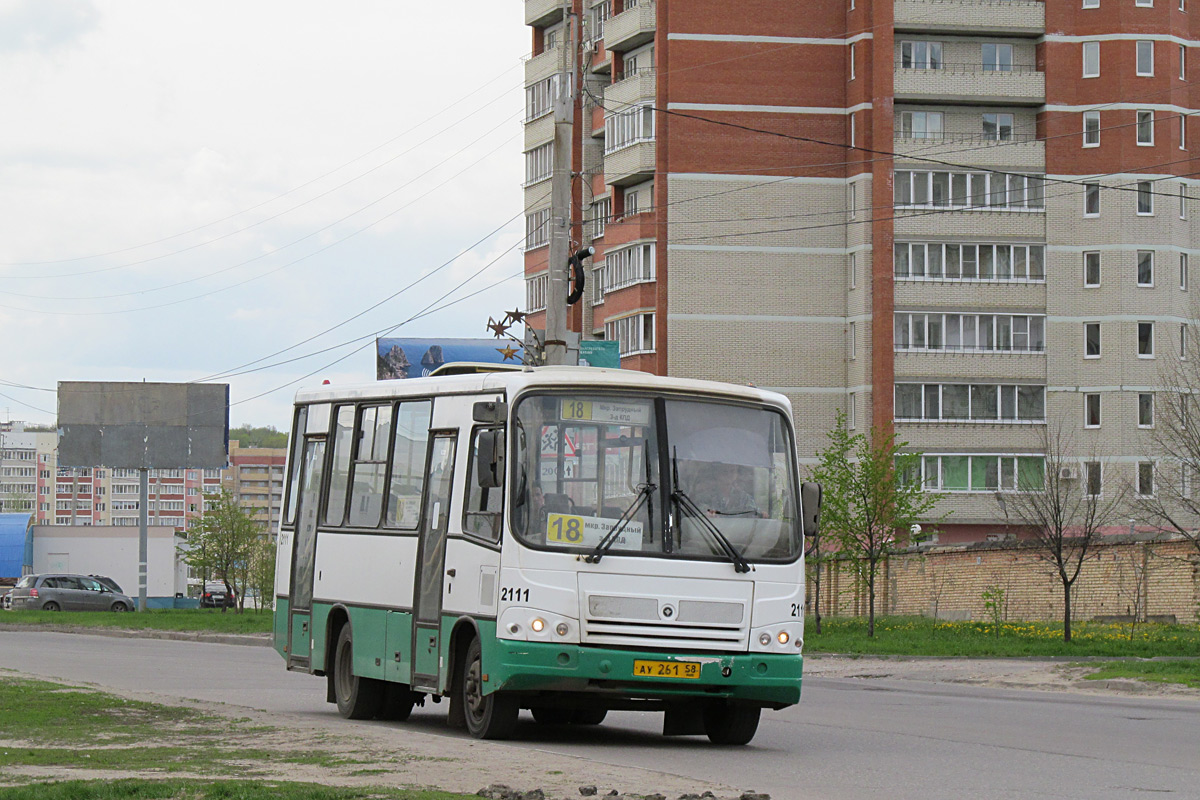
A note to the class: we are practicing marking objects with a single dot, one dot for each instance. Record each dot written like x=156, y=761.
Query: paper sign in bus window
x=580, y=531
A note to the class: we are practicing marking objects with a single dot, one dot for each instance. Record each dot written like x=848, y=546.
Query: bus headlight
x=764, y=639
x=538, y=625
x=562, y=629
x=783, y=637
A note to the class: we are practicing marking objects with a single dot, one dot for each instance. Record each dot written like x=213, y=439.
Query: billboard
x=416, y=358
x=143, y=425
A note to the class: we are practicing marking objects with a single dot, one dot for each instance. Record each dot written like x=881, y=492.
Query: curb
x=251, y=639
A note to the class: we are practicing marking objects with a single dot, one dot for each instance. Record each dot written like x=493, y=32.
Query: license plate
x=667, y=669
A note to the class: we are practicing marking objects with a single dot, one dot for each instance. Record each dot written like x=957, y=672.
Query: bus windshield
x=681, y=478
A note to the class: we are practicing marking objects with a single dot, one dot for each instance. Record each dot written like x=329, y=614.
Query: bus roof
x=512, y=381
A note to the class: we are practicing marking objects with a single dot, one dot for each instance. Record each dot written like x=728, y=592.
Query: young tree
x=262, y=571
x=1065, y=515
x=221, y=543
x=867, y=506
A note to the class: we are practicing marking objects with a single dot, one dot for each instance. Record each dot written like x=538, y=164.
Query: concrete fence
x=1142, y=577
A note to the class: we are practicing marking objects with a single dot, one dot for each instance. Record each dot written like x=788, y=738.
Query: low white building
x=112, y=550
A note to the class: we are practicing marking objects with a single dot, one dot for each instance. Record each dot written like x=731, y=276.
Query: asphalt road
x=848, y=738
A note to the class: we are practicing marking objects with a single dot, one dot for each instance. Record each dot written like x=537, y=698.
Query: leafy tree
x=262, y=571
x=1065, y=515
x=251, y=436
x=221, y=543
x=867, y=505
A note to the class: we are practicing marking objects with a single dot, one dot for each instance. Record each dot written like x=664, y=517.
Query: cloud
x=45, y=25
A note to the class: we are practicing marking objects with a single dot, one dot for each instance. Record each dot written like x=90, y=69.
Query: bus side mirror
x=490, y=459
x=810, y=499
x=493, y=412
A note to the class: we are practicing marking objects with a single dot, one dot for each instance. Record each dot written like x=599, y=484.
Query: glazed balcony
x=997, y=17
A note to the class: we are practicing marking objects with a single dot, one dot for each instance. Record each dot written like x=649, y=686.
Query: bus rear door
x=432, y=560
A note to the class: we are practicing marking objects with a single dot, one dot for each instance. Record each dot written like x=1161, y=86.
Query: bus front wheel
x=489, y=716
x=357, y=698
x=731, y=723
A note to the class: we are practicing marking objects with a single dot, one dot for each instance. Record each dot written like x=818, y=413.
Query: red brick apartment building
x=961, y=218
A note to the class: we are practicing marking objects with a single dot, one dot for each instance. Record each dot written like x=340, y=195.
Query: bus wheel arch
x=464, y=632
x=338, y=618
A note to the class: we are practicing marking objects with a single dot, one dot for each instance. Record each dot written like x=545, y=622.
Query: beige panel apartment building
x=969, y=220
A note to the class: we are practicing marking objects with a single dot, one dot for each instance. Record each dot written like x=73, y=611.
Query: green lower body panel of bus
x=770, y=679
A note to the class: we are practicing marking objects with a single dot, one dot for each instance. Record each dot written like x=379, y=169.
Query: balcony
x=1023, y=85
x=631, y=89
x=543, y=65
x=543, y=12
x=629, y=165
x=1002, y=17
x=1021, y=152
x=632, y=28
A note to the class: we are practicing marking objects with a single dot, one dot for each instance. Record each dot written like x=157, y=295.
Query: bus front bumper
x=772, y=680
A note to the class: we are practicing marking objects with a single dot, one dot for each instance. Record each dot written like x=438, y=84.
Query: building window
x=1018, y=333
x=1144, y=3
x=852, y=199
x=982, y=473
x=920, y=125
x=998, y=127
x=973, y=190
x=1183, y=272
x=1183, y=339
x=1092, y=474
x=1145, y=478
x=537, y=229
x=539, y=163
x=628, y=128
x=1091, y=411
x=539, y=98
x=1182, y=62
x=1091, y=340
x=1145, y=339
x=1091, y=269
x=598, y=284
x=1145, y=409
x=1091, y=59
x=1091, y=3
x=969, y=262
x=852, y=411
x=961, y=402
x=1091, y=129
x=1145, y=267
x=1145, y=128
x=628, y=266
x=1145, y=198
x=852, y=61
x=921, y=55
x=1183, y=131
x=601, y=211
x=1145, y=57
x=1091, y=200
x=997, y=57
x=852, y=343
x=634, y=334
x=1182, y=201
x=853, y=132
x=852, y=269
x=535, y=292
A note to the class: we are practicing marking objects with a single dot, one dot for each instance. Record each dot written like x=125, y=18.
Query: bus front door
x=427, y=628
x=304, y=555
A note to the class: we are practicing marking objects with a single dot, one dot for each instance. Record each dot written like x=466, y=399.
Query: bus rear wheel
x=357, y=698
x=489, y=716
x=731, y=723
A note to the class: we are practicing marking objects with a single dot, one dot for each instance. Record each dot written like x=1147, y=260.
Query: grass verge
x=141, y=789
x=165, y=619
x=921, y=636
x=1186, y=673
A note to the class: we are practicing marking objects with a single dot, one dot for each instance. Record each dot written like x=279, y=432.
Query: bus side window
x=339, y=472
x=408, y=464
x=482, y=512
x=370, y=462
x=294, y=459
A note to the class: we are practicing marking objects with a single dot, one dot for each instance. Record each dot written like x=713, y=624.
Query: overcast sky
x=189, y=187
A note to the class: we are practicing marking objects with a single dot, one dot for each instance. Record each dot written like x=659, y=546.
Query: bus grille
x=641, y=622
x=630, y=633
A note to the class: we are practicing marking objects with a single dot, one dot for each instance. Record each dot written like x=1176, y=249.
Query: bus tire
x=357, y=698
x=731, y=723
x=398, y=702
x=589, y=716
x=489, y=716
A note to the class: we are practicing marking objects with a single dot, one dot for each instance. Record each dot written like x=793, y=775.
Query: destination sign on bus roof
x=607, y=411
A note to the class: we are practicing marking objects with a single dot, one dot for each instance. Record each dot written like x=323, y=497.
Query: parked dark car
x=215, y=596
x=58, y=591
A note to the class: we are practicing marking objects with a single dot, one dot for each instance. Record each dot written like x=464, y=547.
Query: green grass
x=165, y=619
x=1186, y=673
x=920, y=636
x=140, y=789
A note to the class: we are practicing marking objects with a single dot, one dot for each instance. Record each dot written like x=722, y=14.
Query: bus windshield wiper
x=686, y=504
x=645, y=490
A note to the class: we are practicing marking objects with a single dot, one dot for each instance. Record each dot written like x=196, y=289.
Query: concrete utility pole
x=560, y=200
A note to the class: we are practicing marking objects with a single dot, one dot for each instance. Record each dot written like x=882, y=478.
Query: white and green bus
x=563, y=540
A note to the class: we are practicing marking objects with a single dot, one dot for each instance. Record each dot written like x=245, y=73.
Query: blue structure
x=16, y=544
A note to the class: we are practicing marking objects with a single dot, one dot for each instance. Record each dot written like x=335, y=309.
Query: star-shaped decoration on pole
x=508, y=351
x=513, y=317
x=497, y=328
